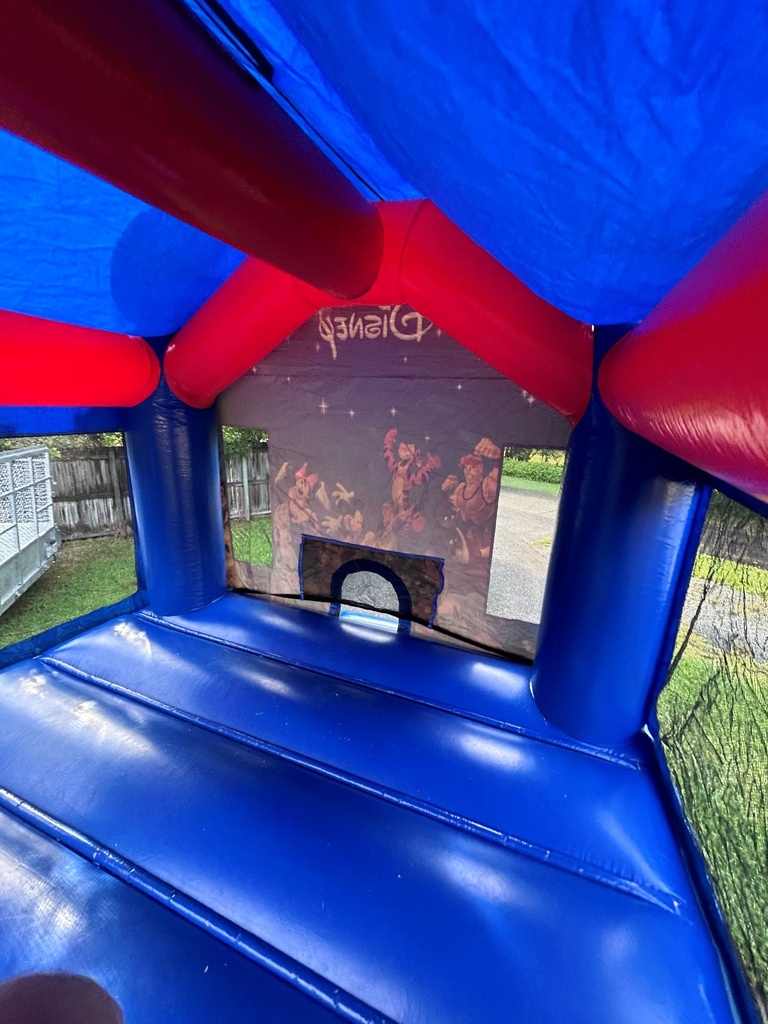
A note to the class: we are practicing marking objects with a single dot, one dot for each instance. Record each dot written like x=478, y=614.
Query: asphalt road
x=525, y=525
x=526, y=521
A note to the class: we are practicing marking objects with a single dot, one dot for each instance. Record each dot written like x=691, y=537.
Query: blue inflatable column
x=628, y=526
x=173, y=461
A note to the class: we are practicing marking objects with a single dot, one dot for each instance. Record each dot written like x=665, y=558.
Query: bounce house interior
x=398, y=240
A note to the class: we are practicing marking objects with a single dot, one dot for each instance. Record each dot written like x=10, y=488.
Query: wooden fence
x=90, y=493
x=91, y=496
x=247, y=478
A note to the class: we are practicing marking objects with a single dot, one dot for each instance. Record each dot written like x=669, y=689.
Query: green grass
x=90, y=574
x=252, y=542
x=521, y=484
x=713, y=716
x=87, y=574
x=747, y=578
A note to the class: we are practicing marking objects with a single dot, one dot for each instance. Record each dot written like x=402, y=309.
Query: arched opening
x=372, y=593
x=379, y=596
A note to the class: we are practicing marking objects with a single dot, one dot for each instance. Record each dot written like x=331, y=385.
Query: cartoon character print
x=299, y=512
x=303, y=496
x=408, y=469
x=348, y=524
x=473, y=501
x=386, y=538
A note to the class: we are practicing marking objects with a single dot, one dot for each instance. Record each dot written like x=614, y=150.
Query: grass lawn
x=88, y=574
x=749, y=578
x=252, y=542
x=522, y=484
x=713, y=716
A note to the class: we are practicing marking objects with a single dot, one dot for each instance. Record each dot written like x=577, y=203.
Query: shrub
x=241, y=440
x=545, y=472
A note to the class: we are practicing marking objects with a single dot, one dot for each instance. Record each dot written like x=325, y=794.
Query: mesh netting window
x=713, y=716
x=66, y=538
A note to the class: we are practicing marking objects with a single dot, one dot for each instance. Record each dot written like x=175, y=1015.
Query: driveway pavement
x=524, y=524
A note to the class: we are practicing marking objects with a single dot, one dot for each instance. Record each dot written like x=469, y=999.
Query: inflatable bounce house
x=399, y=238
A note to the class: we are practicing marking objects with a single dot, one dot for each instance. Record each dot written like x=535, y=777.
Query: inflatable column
x=172, y=454
x=628, y=527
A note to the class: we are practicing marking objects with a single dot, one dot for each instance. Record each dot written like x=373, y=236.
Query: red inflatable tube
x=257, y=308
x=428, y=263
x=140, y=94
x=44, y=363
x=692, y=376
x=248, y=316
x=472, y=297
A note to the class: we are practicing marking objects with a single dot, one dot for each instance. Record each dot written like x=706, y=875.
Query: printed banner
x=385, y=432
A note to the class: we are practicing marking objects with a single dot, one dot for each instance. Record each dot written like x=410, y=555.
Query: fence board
x=91, y=496
x=247, y=478
x=90, y=493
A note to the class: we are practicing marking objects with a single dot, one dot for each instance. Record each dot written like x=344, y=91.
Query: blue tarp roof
x=597, y=150
x=75, y=249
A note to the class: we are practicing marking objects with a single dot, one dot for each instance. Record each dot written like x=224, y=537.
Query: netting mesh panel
x=8, y=537
x=713, y=715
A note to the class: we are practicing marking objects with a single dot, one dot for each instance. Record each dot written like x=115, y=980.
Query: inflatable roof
x=596, y=153
x=217, y=806
x=596, y=150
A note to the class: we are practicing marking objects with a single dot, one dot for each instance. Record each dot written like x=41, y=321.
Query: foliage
x=553, y=455
x=58, y=443
x=721, y=507
x=521, y=484
x=735, y=532
x=108, y=439
x=240, y=440
x=252, y=542
x=544, y=472
x=519, y=454
x=87, y=574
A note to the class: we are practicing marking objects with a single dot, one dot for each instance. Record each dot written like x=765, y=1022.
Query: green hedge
x=546, y=472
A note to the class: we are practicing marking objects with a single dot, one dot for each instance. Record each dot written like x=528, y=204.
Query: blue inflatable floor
x=256, y=813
